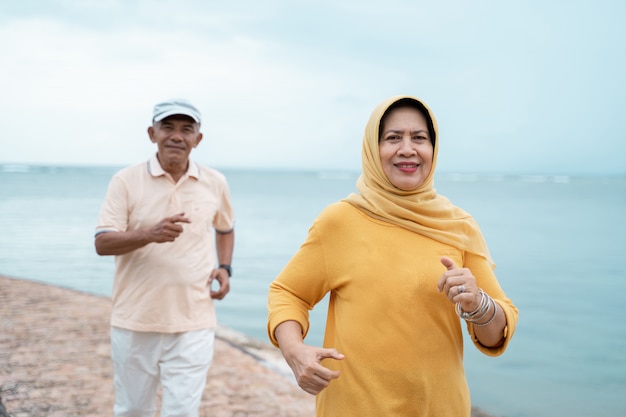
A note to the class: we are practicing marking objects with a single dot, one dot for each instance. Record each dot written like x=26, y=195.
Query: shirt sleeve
x=224, y=219
x=299, y=287
x=486, y=279
x=114, y=211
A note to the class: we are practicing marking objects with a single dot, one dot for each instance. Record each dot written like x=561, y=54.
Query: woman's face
x=405, y=147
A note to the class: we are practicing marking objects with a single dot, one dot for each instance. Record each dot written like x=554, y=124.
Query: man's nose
x=177, y=135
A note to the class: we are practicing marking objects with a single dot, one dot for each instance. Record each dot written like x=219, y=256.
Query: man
x=158, y=219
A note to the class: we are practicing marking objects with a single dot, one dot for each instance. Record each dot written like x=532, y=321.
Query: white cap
x=175, y=106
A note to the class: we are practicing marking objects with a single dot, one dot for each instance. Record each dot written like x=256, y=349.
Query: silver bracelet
x=479, y=317
x=480, y=312
x=483, y=307
x=488, y=322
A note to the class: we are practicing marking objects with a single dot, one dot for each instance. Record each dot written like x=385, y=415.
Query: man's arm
x=224, y=244
x=119, y=243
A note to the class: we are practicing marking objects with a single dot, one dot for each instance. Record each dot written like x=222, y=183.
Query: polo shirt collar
x=156, y=170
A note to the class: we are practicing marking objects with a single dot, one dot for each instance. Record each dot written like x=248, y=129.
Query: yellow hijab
x=421, y=210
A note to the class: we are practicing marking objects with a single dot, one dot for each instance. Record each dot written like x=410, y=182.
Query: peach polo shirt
x=162, y=287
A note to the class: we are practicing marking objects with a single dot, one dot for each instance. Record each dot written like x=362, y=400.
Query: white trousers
x=178, y=361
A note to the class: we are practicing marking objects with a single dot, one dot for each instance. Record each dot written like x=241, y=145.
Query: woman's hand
x=459, y=286
x=305, y=361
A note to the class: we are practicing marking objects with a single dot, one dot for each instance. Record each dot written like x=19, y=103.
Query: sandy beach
x=55, y=361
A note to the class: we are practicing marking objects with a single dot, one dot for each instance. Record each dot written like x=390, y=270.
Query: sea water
x=558, y=242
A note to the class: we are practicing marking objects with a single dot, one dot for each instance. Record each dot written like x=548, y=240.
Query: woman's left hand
x=459, y=285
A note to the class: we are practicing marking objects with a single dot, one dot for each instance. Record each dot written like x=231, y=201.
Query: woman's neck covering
x=421, y=210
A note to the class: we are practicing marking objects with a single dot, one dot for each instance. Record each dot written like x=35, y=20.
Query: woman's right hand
x=305, y=361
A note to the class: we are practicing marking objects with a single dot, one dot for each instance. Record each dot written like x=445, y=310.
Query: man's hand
x=168, y=229
x=119, y=243
x=221, y=275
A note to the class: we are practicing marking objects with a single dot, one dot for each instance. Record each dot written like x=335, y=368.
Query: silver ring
x=461, y=289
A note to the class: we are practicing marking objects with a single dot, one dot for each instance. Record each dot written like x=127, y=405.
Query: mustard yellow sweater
x=401, y=338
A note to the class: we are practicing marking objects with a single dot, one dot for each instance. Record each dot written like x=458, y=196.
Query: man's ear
x=198, y=139
x=151, y=134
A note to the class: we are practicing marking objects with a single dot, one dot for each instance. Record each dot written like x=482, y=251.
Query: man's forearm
x=119, y=243
x=224, y=244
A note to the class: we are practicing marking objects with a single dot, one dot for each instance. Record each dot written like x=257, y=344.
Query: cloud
x=284, y=85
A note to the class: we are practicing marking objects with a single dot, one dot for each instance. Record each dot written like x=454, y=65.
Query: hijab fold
x=421, y=210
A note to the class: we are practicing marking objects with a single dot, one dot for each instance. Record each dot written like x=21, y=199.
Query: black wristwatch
x=227, y=268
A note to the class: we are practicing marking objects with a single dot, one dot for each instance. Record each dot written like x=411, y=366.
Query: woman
x=402, y=264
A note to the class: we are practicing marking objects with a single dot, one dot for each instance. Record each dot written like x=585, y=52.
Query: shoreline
x=55, y=361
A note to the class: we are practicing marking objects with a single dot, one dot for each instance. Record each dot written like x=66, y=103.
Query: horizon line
x=17, y=167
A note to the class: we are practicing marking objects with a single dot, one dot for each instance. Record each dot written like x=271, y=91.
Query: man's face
x=175, y=137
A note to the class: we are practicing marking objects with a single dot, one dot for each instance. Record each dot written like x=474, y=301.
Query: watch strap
x=227, y=268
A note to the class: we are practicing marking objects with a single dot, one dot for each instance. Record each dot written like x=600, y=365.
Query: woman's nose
x=406, y=146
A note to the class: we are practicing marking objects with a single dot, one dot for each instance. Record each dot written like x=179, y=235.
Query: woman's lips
x=407, y=166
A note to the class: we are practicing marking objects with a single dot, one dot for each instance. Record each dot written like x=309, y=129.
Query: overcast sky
x=523, y=86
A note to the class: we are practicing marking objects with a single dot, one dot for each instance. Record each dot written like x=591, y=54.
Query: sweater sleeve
x=486, y=279
x=299, y=287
